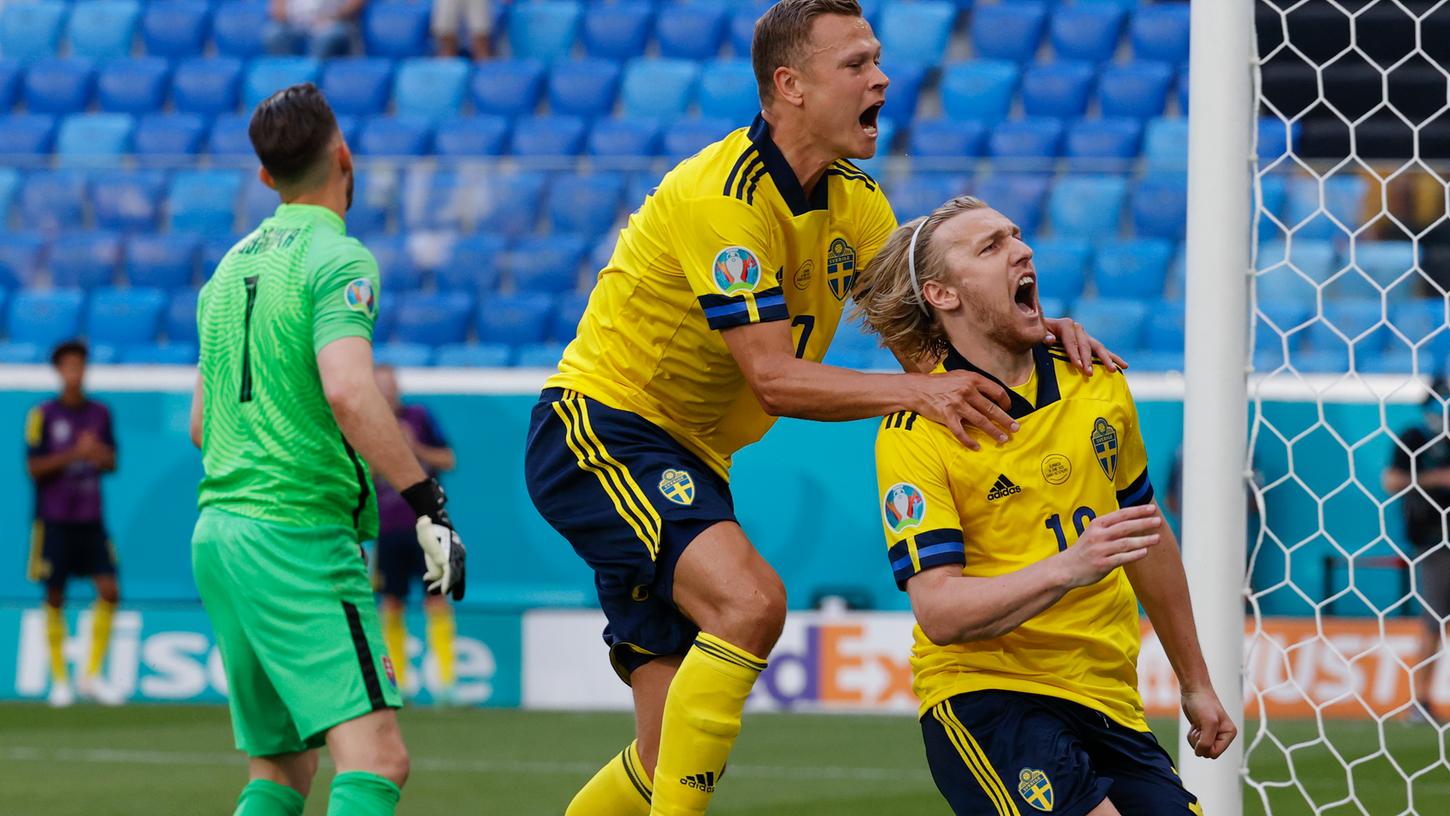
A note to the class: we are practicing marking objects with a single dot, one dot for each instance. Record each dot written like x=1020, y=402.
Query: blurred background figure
x=318, y=28
x=449, y=16
x=69, y=445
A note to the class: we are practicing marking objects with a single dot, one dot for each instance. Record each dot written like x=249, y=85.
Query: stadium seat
x=1131, y=268
x=207, y=85
x=1424, y=325
x=920, y=193
x=1061, y=263
x=509, y=203
x=508, y=87
x=1276, y=138
x=690, y=31
x=543, y=30
x=544, y=264
x=480, y=135
x=1086, y=31
x=403, y=355
x=1058, y=89
x=1387, y=263
x=94, y=139
x=547, y=136
x=238, y=28
x=918, y=29
x=359, y=86
x=59, y=86
x=85, y=260
x=1165, y=327
x=623, y=137
x=396, y=30
x=203, y=201
x=21, y=353
x=1360, y=321
x=134, y=86
x=1019, y=196
x=514, y=319
x=1088, y=206
x=118, y=317
x=585, y=87
x=728, y=91
x=685, y=137
x=1138, y=89
x=31, y=31
x=1165, y=144
x=102, y=29
x=1116, y=322
x=538, y=355
x=1339, y=215
x=944, y=138
x=267, y=75
x=980, y=90
x=438, y=198
x=568, y=311
x=472, y=355
x=1103, y=144
x=213, y=249
x=45, y=317
x=1008, y=31
x=1160, y=207
x=229, y=138
x=1033, y=141
x=395, y=136
x=1294, y=273
x=163, y=135
x=26, y=135
x=9, y=186
x=658, y=89
x=53, y=200
x=430, y=87
x=11, y=72
x=740, y=30
x=159, y=354
x=161, y=261
x=433, y=319
x=20, y=259
x=907, y=78
x=180, y=318
x=587, y=205
x=1160, y=32
x=395, y=263
x=175, y=29
x=617, y=31
x=471, y=265
x=259, y=201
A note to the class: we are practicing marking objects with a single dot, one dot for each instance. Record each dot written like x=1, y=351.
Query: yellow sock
x=101, y=615
x=395, y=639
x=440, y=640
x=55, y=637
x=702, y=719
x=621, y=788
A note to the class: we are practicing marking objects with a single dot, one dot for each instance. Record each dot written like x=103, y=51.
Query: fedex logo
x=858, y=665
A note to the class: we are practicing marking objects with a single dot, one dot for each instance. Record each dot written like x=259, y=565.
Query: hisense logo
x=1002, y=489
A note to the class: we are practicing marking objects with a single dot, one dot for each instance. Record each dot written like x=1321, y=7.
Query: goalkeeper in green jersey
x=287, y=414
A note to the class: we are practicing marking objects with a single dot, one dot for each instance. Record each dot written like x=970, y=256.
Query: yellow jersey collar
x=781, y=173
x=1047, y=388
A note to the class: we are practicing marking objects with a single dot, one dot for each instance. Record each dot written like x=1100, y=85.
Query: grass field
x=177, y=761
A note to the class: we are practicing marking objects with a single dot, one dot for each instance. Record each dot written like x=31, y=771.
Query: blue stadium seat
x=944, y=138
x=229, y=137
x=1386, y=262
x=396, y=30
x=538, y=355
x=1103, y=144
x=1160, y=207
x=11, y=72
x=1293, y=273
x=587, y=205
x=4, y=302
x=438, y=199
x=1117, y=322
x=26, y=135
x=433, y=319
x=1423, y=324
x=1360, y=321
x=728, y=90
x=1131, y=268
x=471, y=265
x=175, y=29
x=403, y=355
x=1165, y=327
x=359, y=86
x=45, y=317
x=85, y=260
x=19, y=259
x=162, y=261
x=480, y=135
x=472, y=355
x=31, y=30
x=623, y=137
x=180, y=319
x=508, y=87
x=395, y=263
x=158, y=354
x=395, y=136
x=1088, y=206
x=585, y=87
x=1058, y=89
x=53, y=200
x=59, y=86
x=203, y=201
x=690, y=31
x=511, y=203
x=134, y=86
x=1008, y=31
x=1343, y=194
x=1061, y=263
x=21, y=353
x=1138, y=89
x=547, y=136
x=919, y=29
x=1019, y=196
x=907, y=77
x=1032, y=140
x=238, y=28
x=9, y=186
x=207, y=85
x=213, y=249
x=1086, y=31
x=658, y=89
x=1165, y=143
x=685, y=137
x=430, y=87
x=1160, y=32
x=980, y=90
x=94, y=139
x=103, y=29
x=741, y=30
x=1276, y=138
x=543, y=30
x=920, y=193
x=268, y=75
x=259, y=201
x=617, y=31
x=514, y=319
x=118, y=317
x=544, y=264
x=162, y=135
x=567, y=313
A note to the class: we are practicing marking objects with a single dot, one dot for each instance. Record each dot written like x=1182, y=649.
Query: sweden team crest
x=840, y=267
x=1035, y=788
x=736, y=270
x=677, y=486
x=1105, y=446
x=359, y=296
x=904, y=506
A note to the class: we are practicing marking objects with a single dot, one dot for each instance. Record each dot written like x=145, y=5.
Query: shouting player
x=1027, y=638
x=710, y=321
x=286, y=412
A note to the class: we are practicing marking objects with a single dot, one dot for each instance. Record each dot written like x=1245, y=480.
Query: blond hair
x=889, y=303
x=782, y=34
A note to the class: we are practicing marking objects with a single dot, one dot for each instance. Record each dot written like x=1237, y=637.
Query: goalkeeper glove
x=442, y=548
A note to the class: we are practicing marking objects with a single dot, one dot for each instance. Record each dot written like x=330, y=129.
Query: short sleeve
x=345, y=297
x=877, y=224
x=1132, y=483
x=731, y=257
x=918, y=515
x=35, y=431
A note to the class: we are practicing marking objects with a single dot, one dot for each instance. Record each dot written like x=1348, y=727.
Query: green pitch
x=177, y=761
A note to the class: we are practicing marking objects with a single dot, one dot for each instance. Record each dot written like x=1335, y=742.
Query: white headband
x=911, y=266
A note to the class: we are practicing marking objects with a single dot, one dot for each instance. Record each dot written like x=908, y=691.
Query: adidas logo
x=1002, y=489
x=700, y=781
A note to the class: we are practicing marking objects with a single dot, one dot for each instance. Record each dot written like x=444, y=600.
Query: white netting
x=1352, y=261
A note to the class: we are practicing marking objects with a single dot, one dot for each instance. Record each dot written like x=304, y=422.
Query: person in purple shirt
x=399, y=558
x=69, y=446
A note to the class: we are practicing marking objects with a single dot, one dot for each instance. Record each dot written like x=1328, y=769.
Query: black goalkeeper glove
x=442, y=548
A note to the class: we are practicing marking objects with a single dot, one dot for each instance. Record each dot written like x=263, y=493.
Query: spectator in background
x=1420, y=468
x=69, y=445
x=399, y=558
x=319, y=28
x=448, y=18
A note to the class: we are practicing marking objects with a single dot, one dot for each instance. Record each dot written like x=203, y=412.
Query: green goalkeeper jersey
x=270, y=445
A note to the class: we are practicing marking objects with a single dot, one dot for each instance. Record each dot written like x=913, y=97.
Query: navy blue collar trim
x=1048, y=390
x=781, y=173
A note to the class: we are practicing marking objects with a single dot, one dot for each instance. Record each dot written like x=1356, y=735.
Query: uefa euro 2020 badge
x=904, y=506
x=737, y=270
x=677, y=486
x=360, y=298
x=1035, y=788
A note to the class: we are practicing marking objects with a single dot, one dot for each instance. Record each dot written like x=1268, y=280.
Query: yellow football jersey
x=1078, y=455
x=728, y=238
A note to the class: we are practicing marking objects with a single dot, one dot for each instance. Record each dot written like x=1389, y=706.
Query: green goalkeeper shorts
x=293, y=613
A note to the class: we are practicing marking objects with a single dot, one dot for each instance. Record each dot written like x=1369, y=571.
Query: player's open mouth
x=868, y=119
x=1025, y=295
